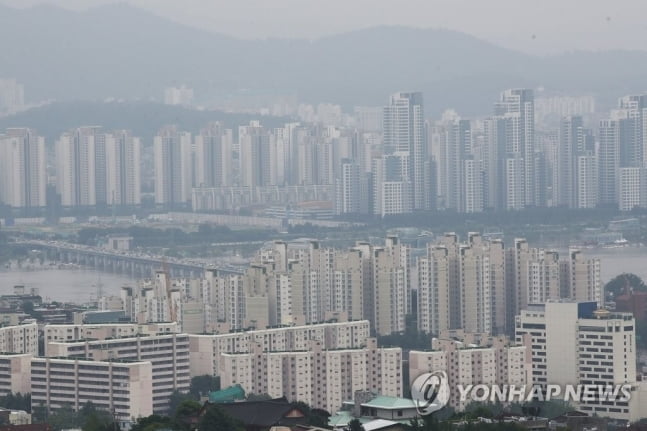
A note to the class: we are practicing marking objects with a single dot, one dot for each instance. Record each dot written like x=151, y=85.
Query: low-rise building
x=168, y=354
x=122, y=387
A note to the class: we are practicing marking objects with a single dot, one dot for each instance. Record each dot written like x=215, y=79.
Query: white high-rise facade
x=348, y=195
x=516, y=108
x=23, y=174
x=123, y=168
x=404, y=133
x=173, y=166
x=76, y=174
x=213, y=156
x=254, y=155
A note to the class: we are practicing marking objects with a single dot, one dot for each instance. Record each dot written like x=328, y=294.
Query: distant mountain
x=124, y=52
x=144, y=119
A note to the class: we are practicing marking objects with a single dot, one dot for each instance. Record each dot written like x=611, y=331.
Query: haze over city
x=540, y=27
x=282, y=215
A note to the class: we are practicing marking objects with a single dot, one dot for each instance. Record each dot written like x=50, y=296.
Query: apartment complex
x=121, y=387
x=321, y=378
x=575, y=343
x=472, y=359
x=168, y=354
x=286, y=284
x=20, y=338
x=480, y=285
x=206, y=350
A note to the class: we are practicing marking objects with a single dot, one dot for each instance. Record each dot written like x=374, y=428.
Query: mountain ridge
x=121, y=51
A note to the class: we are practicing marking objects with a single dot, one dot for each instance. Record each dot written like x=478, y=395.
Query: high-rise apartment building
x=574, y=142
x=213, y=156
x=123, y=168
x=391, y=292
x=516, y=108
x=76, y=167
x=632, y=188
x=254, y=156
x=455, y=149
x=173, y=167
x=348, y=192
x=462, y=286
x=404, y=132
x=23, y=169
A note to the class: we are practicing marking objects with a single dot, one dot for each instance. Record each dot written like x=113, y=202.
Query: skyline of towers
x=458, y=164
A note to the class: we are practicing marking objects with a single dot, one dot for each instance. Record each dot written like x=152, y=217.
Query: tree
x=176, y=399
x=64, y=418
x=624, y=283
x=354, y=425
x=187, y=410
x=93, y=419
x=215, y=419
x=314, y=417
x=16, y=401
x=202, y=385
x=152, y=423
x=39, y=414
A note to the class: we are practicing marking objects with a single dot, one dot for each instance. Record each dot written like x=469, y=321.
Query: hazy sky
x=537, y=26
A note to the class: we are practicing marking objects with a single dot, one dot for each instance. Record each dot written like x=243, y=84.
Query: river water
x=80, y=285
x=67, y=285
x=614, y=261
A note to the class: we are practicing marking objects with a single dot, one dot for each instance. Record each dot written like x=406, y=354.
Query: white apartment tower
x=213, y=151
x=404, y=132
x=173, y=167
x=347, y=190
x=77, y=179
x=254, y=156
x=516, y=107
x=123, y=168
x=23, y=174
